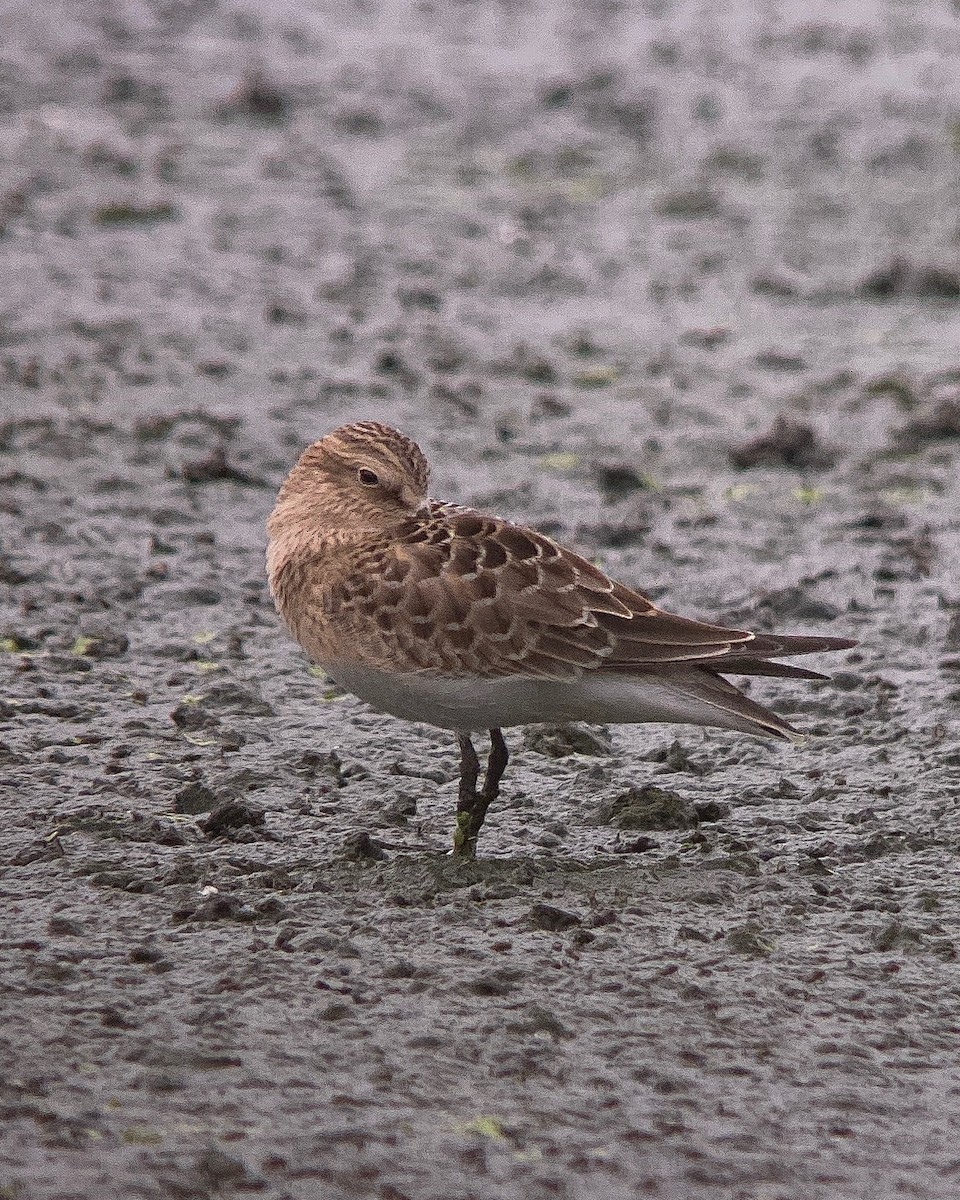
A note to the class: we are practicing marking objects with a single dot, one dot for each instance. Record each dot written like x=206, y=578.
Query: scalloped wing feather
x=460, y=593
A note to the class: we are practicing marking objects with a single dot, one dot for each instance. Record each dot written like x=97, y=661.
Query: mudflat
x=681, y=290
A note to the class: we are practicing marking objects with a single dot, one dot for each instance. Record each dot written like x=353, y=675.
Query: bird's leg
x=472, y=806
x=496, y=765
x=465, y=845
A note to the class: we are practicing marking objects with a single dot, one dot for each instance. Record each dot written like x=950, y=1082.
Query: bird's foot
x=465, y=835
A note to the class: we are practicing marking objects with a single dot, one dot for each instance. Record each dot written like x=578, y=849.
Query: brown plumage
x=463, y=620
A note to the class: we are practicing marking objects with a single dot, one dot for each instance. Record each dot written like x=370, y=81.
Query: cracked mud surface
x=681, y=292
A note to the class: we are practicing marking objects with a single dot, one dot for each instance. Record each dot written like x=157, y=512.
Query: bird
x=438, y=613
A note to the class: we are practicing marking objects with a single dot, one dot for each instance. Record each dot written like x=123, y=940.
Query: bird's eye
x=368, y=478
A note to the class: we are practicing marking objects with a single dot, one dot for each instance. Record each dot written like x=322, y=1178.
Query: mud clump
x=359, y=846
x=940, y=422
x=750, y=941
x=618, y=480
x=216, y=468
x=902, y=278
x=787, y=444
x=552, y=919
x=676, y=757
x=230, y=816
x=649, y=808
x=560, y=741
x=257, y=98
x=194, y=798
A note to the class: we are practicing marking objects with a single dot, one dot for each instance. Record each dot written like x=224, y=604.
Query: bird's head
x=360, y=477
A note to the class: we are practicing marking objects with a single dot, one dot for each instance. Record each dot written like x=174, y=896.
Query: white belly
x=469, y=705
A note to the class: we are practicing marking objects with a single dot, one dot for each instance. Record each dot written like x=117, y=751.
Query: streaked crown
x=369, y=440
x=361, y=476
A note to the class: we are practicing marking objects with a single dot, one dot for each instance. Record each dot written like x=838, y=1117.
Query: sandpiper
x=438, y=613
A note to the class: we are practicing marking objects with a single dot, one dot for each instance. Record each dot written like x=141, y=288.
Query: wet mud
x=680, y=290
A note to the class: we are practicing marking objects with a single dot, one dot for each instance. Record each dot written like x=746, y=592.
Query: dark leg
x=496, y=765
x=472, y=805
x=469, y=772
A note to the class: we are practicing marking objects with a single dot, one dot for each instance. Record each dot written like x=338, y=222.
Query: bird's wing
x=461, y=593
